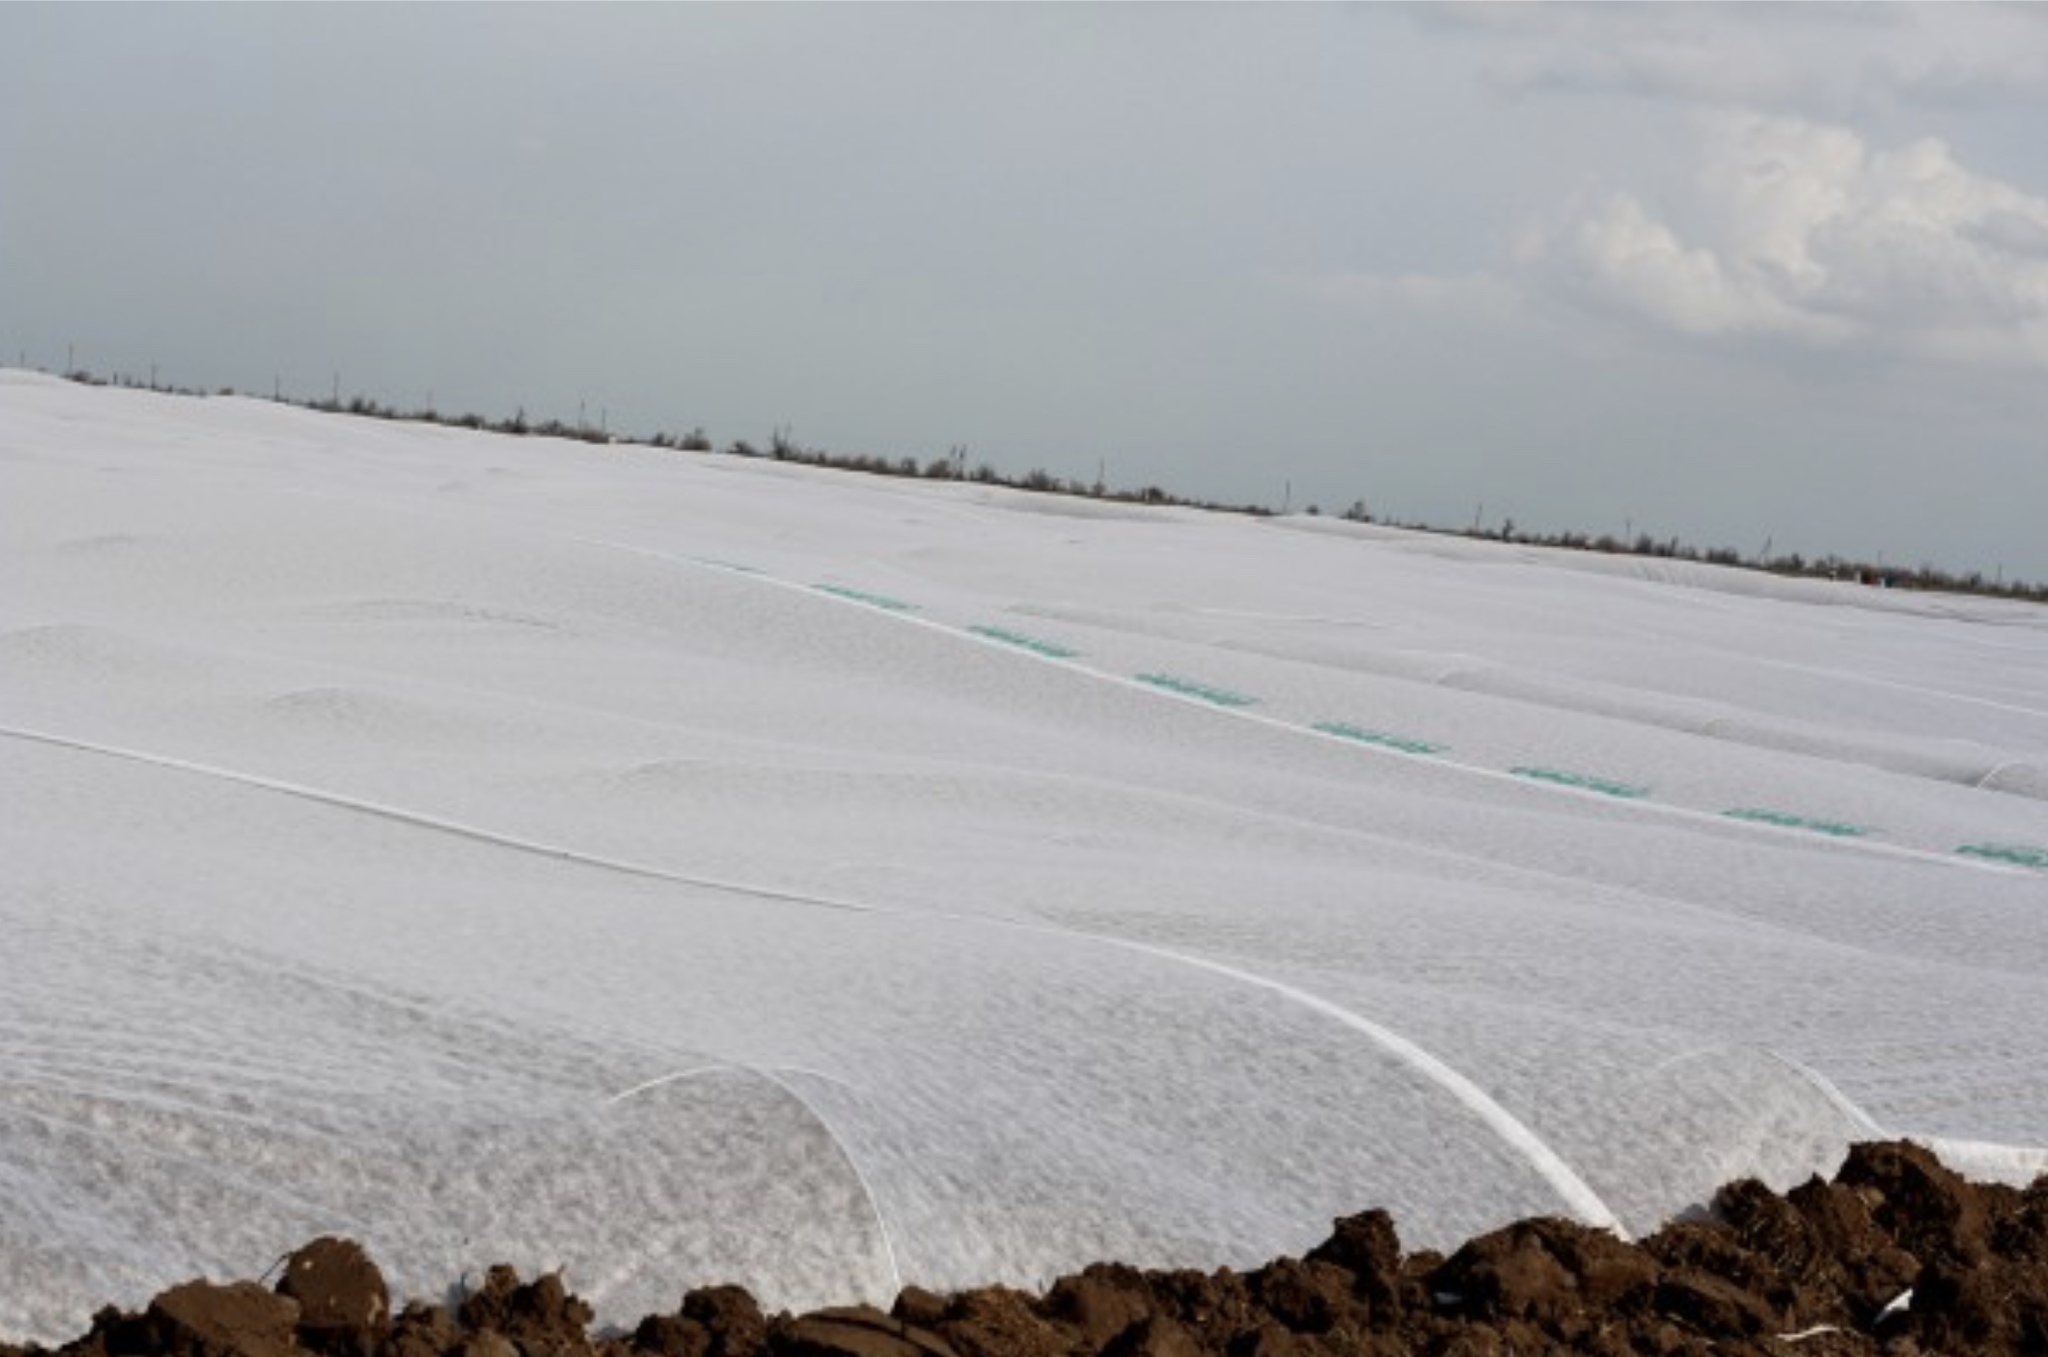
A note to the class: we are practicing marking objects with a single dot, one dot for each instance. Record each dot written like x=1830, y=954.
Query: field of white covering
x=681, y=868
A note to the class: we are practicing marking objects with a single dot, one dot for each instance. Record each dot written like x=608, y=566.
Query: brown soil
x=1817, y=1273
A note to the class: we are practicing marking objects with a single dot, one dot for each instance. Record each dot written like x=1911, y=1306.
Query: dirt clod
x=202, y=1319
x=855, y=1331
x=344, y=1306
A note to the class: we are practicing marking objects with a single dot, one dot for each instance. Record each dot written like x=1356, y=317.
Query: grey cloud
x=2016, y=232
x=1825, y=60
x=1233, y=250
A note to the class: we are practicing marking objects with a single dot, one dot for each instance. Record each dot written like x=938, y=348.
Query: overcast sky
x=1729, y=273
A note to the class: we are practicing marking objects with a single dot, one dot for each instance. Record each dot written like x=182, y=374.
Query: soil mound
x=1897, y=1256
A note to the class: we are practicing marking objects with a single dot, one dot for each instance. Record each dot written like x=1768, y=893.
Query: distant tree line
x=953, y=466
x=1923, y=577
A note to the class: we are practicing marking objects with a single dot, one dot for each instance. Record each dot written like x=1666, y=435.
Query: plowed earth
x=1897, y=1256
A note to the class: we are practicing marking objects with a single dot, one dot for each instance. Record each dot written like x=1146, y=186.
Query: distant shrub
x=954, y=466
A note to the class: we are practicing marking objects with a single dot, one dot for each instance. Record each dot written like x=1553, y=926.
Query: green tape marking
x=726, y=565
x=1222, y=697
x=1022, y=642
x=2017, y=853
x=1379, y=737
x=1779, y=817
x=894, y=605
x=1583, y=781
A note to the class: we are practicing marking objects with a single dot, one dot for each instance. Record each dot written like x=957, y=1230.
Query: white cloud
x=1804, y=231
x=1621, y=254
